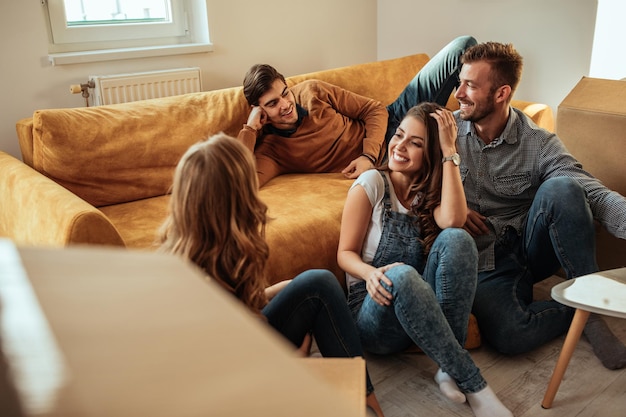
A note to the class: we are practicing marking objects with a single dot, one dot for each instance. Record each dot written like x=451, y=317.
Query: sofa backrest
x=381, y=80
x=126, y=152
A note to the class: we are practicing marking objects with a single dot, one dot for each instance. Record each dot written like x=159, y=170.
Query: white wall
x=295, y=37
x=555, y=37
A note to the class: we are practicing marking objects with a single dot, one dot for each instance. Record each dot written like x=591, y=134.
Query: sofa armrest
x=542, y=114
x=37, y=211
x=24, y=129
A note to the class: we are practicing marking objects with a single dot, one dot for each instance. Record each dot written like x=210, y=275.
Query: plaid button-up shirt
x=502, y=178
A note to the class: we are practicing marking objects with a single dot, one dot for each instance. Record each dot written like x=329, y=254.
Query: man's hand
x=475, y=223
x=357, y=167
x=257, y=118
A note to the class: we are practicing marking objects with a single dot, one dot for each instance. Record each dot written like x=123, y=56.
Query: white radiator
x=122, y=88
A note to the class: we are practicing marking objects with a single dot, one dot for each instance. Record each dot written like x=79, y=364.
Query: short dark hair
x=258, y=81
x=506, y=63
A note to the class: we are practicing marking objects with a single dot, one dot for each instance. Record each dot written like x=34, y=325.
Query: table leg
x=573, y=335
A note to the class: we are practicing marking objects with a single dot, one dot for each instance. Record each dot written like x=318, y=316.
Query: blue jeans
x=559, y=232
x=315, y=302
x=431, y=311
x=434, y=82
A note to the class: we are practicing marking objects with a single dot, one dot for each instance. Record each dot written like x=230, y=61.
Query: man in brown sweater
x=315, y=126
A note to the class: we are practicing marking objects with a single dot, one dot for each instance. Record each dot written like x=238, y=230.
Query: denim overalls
x=399, y=242
x=432, y=297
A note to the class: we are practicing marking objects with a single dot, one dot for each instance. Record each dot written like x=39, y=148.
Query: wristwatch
x=455, y=158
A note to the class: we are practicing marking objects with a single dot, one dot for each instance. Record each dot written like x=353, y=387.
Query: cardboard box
x=96, y=331
x=346, y=375
x=591, y=122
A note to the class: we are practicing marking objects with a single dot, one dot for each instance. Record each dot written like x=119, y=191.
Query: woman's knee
x=321, y=280
x=457, y=241
x=403, y=277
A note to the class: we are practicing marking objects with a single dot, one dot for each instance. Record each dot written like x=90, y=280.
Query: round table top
x=602, y=292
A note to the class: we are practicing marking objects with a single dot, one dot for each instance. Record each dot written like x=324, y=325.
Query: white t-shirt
x=374, y=186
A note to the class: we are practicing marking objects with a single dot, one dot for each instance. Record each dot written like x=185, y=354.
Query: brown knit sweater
x=340, y=126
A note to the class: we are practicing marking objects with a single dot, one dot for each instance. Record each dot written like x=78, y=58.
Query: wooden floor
x=405, y=387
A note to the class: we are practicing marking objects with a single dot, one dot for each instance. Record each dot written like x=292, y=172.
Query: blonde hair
x=216, y=219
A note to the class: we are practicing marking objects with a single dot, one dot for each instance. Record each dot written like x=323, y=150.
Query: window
x=88, y=26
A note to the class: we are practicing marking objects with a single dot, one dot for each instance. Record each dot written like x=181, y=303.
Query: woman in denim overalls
x=410, y=267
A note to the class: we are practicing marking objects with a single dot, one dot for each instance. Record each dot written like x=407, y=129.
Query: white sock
x=485, y=403
x=448, y=387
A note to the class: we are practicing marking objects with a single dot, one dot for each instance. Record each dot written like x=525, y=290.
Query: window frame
x=63, y=34
x=184, y=36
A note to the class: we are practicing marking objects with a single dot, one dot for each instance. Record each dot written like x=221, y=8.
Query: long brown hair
x=428, y=181
x=216, y=219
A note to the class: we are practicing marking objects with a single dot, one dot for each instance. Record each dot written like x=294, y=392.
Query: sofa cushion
x=380, y=80
x=88, y=151
x=138, y=222
x=302, y=229
x=304, y=222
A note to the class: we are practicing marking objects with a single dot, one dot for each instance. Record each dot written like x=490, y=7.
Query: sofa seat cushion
x=304, y=221
x=138, y=222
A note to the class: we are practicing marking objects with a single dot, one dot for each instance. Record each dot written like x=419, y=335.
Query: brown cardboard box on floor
x=334, y=372
x=95, y=331
x=591, y=122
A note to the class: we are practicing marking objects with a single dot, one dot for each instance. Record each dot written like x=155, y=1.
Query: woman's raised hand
x=447, y=130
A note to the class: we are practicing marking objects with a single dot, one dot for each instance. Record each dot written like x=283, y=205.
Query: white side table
x=602, y=293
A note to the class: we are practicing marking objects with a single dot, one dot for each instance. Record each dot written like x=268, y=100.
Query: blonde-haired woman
x=217, y=220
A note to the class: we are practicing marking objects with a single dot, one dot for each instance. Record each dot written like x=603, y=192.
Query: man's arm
x=374, y=117
x=359, y=165
x=370, y=112
x=607, y=206
x=266, y=168
x=248, y=136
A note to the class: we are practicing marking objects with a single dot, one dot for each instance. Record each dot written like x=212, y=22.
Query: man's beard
x=479, y=113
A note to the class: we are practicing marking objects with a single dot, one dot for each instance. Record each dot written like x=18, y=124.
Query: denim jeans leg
x=509, y=320
x=451, y=270
x=415, y=316
x=434, y=82
x=314, y=301
x=560, y=231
